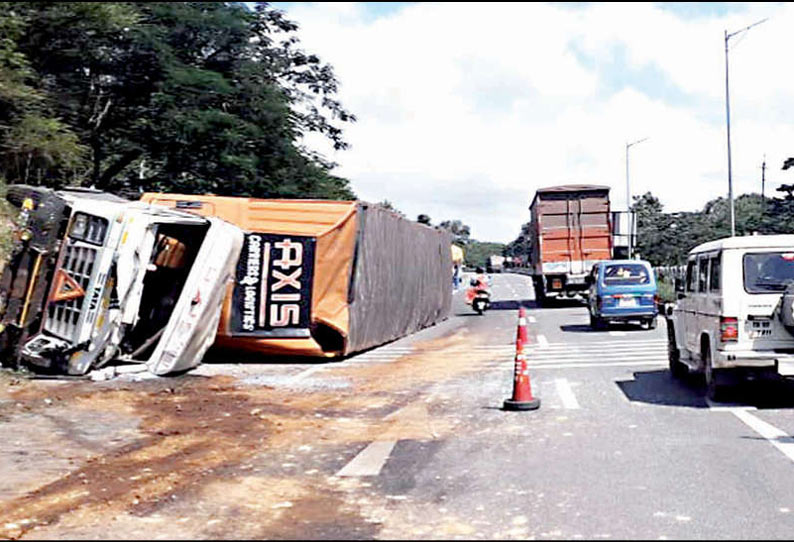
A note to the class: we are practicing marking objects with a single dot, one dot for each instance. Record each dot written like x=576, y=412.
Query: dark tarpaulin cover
x=401, y=281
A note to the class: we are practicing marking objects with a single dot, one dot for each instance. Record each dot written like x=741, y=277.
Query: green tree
x=521, y=246
x=186, y=96
x=477, y=252
x=390, y=206
x=34, y=144
x=460, y=232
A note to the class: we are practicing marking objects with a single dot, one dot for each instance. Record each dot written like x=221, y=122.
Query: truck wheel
x=540, y=295
x=678, y=370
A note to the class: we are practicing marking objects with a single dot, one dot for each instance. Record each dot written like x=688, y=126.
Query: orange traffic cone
x=522, y=335
x=522, y=390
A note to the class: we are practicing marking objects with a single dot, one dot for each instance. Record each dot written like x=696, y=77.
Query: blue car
x=622, y=291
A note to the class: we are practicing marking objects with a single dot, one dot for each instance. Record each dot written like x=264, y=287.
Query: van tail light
x=729, y=328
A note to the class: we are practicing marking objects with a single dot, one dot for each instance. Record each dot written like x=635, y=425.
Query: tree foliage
x=184, y=96
x=476, y=252
x=666, y=238
x=459, y=231
x=521, y=246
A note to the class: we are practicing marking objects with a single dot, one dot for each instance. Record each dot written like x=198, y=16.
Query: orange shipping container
x=325, y=278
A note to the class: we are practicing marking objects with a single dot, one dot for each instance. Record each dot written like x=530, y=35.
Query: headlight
x=79, y=226
x=89, y=228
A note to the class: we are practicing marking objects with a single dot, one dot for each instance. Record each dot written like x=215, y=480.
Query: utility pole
x=763, y=178
x=628, y=196
x=728, y=121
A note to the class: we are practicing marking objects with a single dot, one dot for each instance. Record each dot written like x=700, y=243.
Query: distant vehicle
x=570, y=232
x=93, y=278
x=495, y=264
x=735, y=311
x=622, y=291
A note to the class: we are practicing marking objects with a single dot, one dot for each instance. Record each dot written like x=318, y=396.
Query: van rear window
x=626, y=273
x=768, y=272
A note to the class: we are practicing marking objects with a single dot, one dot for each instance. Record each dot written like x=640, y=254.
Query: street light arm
x=635, y=142
x=729, y=36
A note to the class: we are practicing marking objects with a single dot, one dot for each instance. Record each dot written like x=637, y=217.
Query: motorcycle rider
x=481, y=281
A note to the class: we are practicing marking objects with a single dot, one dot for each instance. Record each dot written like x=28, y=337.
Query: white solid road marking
x=532, y=320
x=775, y=436
x=542, y=341
x=617, y=333
x=370, y=460
x=566, y=393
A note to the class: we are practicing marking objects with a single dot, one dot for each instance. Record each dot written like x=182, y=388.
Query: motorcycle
x=479, y=296
x=481, y=301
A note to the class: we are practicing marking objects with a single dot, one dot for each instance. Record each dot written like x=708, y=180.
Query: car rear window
x=626, y=273
x=768, y=272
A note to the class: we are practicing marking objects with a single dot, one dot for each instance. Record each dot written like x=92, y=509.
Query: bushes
x=6, y=217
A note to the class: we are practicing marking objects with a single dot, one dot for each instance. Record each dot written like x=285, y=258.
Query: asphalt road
x=409, y=441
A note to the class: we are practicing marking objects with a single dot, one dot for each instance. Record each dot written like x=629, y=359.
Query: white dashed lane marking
x=370, y=460
x=566, y=393
x=303, y=374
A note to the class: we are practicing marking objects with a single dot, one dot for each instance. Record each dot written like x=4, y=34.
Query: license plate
x=758, y=333
x=630, y=302
x=759, y=328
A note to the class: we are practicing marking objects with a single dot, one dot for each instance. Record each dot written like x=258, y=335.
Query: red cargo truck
x=570, y=230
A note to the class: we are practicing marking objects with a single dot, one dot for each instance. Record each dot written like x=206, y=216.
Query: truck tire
x=678, y=370
x=540, y=293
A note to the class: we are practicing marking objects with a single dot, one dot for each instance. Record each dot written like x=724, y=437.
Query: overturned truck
x=325, y=278
x=94, y=278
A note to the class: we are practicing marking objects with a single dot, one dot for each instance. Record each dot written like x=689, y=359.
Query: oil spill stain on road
x=197, y=437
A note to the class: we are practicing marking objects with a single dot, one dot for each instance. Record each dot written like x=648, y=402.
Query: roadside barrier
x=522, y=390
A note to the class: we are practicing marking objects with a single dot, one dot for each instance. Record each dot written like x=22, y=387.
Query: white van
x=734, y=314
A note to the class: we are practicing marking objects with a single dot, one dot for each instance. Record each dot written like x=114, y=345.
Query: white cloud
x=465, y=109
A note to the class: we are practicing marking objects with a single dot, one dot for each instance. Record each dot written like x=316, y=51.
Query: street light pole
x=728, y=122
x=628, y=195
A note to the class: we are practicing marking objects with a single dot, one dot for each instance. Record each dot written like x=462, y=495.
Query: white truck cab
x=122, y=280
x=734, y=313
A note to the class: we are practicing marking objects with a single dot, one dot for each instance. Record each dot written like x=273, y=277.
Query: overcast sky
x=465, y=109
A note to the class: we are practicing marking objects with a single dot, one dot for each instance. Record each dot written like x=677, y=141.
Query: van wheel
x=678, y=370
x=597, y=323
x=714, y=391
